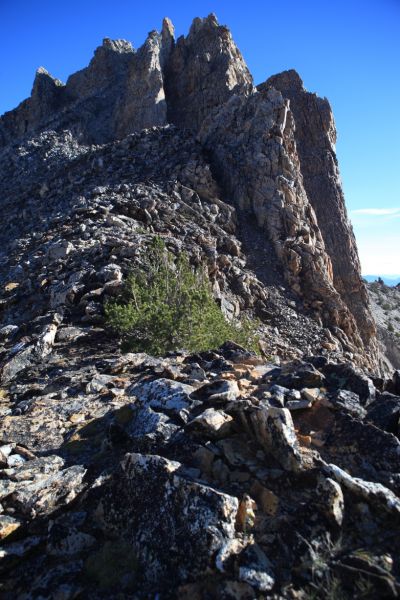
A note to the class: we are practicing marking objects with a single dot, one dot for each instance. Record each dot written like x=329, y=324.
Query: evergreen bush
x=167, y=305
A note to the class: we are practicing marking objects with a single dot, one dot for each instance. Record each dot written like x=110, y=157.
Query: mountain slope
x=216, y=475
x=385, y=306
x=123, y=91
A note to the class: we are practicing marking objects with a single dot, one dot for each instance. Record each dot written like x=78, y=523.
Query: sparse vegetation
x=167, y=305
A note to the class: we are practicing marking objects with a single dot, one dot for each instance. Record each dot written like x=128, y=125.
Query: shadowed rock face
x=45, y=100
x=204, y=70
x=271, y=152
x=123, y=90
x=315, y=136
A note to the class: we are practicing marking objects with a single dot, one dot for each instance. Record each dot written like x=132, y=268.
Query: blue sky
x=348, y=51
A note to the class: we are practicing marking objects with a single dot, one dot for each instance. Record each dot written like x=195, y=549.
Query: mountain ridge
x=123, y=90
x=221, y=474
x=387, y=279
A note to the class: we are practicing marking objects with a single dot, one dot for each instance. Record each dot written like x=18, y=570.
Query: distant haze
x=387, y=279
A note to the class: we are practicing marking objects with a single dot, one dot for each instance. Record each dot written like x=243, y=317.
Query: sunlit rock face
x=315, y=135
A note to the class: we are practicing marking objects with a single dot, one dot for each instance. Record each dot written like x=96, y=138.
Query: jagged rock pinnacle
x=168, y=29
x=201, y=83
x=117, y=45
x=220, y=474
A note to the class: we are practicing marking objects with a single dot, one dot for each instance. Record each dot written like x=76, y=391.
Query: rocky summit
x=217, y=474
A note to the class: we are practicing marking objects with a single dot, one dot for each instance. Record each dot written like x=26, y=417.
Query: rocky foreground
x=216, y=475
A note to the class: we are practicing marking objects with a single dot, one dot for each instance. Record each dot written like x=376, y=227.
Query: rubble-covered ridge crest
x=216, y=474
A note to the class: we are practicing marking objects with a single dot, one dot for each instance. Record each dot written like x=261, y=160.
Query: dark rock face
x=315, y=136
x=216, y=475
x=123, y=90
x=205, y=69
x=285, y=173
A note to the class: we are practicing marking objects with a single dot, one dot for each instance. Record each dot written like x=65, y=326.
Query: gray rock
x=330, y=497
x=111, y=272
x=90, y=173
x=256, y=569
x=315, y=136
x=165, y=395
x=212, y=423
x=372, y=492
x=146, y=423
x=44, y=495
x=274, y=430
x=60, y=250
x=15, y=365
x=345, y=400
x=204, y=70
x=221, y=390
x=385, y=412
x=178, y=525
x=8, y=332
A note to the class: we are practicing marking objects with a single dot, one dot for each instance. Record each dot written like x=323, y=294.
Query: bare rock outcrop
x=272, y=151
x=45, y=100
x=123, y=90
x=221, y=474
x=254, y=154
x=205, y=69
x=142, y=103
x=315, y=136
x=107, y=489
x=385, y=307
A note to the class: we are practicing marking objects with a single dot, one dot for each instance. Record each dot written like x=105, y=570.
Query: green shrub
x=167, y=305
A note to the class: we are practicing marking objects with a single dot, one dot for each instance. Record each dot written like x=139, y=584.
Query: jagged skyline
x=353, y=41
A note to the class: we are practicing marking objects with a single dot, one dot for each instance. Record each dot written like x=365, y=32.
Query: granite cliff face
x=216, y=475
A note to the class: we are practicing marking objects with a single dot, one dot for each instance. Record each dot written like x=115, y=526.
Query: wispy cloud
x=377, y=212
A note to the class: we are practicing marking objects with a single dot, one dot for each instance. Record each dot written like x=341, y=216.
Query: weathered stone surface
x=263, y=176
x=347, y=401
x=373, y=492
x=220, y=390
x=315, y=136
x=255, y=569
x=205, y=69
x=273, y=429
x=349, y=377
x=44, y=495
x=163, y=394
x=331, y=499
x=212, y=423
x=142, y=102
x=128, y=475
x=385, y=412
x=192, y=522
